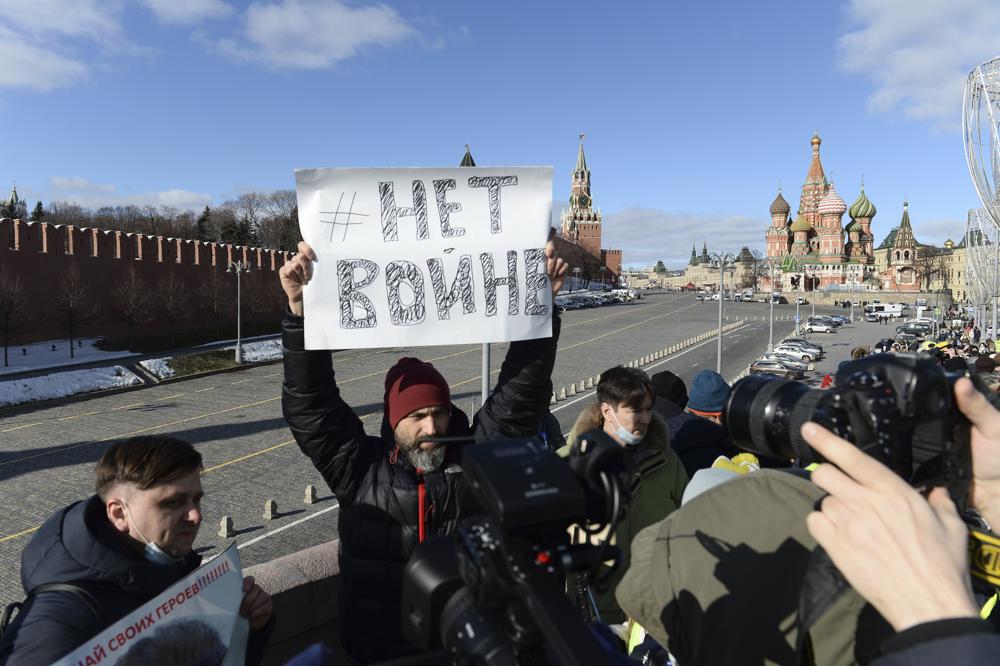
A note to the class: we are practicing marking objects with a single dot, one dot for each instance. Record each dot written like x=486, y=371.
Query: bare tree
x=754, y=269
x=280, y=228
x=213, y=301
x=172, y=302
x=133, y=301
x=74, y=306
x=928, y=263
x=14, y=312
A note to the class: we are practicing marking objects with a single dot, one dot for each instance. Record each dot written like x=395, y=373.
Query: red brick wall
x=41, y=253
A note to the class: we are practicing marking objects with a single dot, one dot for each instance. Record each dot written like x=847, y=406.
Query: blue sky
x=693, y=111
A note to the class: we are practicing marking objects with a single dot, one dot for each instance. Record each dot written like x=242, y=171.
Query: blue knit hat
x=708, y=393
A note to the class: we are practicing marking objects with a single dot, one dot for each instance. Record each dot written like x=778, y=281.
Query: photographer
x=906, y=555
x=397, y=489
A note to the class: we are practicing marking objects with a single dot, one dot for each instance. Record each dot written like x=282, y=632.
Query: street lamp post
x=723, y=259
x=812, y=288
x=798, y=300
x=576, y=278
x=770, y=299
x=238, y=267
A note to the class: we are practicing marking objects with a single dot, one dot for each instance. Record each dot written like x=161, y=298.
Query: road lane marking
x=168, y=397
x=26, y=425
x=77, y=416
x=140, y=431
x=248, y=456
x=291, y=524
x=591, y=392
x=210, y=388
x=10, y=537
x=134, y=404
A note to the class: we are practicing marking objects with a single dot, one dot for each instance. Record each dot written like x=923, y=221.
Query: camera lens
x=764, y=415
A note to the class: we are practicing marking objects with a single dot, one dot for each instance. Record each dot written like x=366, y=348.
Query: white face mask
x=626, y=436
x=154, y=554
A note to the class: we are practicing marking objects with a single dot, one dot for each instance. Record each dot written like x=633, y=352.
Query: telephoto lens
x=764, y=414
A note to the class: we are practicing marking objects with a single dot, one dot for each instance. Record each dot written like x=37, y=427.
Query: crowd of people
x=904, y=557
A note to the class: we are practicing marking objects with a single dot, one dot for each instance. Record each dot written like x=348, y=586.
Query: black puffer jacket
x=78, y=545
x=378, y=489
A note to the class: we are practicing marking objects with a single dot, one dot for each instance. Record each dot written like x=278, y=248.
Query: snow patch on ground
x=40, y=355
x=158, y=367
x=61, y=384
x=265, y=350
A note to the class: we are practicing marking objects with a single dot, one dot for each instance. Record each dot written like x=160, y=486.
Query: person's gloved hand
x=905, y=554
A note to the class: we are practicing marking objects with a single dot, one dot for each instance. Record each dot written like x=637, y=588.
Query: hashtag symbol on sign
x=342, y=218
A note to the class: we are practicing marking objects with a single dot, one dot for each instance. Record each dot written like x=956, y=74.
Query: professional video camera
x=496, y=593
x=899, y=409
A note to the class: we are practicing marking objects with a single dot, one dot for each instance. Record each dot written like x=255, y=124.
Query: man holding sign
x=98, y=560
x=397, y=489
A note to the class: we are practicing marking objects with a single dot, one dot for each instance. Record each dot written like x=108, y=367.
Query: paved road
x=47, y=454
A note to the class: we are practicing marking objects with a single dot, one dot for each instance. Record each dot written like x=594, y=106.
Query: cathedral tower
x=581, y=223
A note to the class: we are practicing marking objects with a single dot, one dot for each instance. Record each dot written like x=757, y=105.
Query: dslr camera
x=897, y=408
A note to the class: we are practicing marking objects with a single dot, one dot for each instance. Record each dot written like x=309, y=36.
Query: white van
x=884, y=310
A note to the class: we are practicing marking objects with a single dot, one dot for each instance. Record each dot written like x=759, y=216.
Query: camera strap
x=984, y=556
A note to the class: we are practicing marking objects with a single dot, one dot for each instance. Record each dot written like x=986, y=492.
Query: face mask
x=154, y=554
x=626, y=436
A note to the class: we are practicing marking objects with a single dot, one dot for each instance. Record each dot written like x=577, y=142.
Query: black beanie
x=670, y=387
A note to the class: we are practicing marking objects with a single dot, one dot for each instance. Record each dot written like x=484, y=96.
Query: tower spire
x=581, y=160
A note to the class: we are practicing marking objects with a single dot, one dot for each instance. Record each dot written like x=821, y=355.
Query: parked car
x=795, y=352
x=764, y=367
x=917, y=329
x=801, y=301
x=818, y=327
x=786, y=360
x=802, y=342
x=841, y=319
x=827, y=319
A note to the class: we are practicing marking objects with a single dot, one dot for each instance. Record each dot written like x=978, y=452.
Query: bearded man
x=398, y=489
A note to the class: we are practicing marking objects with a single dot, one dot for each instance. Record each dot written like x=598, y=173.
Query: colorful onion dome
x=862, y=207
x=832, y=203
x=801, y=224
x=779, y=206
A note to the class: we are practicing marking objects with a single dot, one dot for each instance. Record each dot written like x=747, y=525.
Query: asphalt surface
x=47, y=453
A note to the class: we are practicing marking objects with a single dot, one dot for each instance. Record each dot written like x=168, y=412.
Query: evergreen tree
x=38, y=213
x=202, y=224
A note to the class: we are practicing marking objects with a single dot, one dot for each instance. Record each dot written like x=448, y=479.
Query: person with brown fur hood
x=624, y=410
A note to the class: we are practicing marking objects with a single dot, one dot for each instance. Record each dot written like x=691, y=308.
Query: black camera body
x=897, y=408
x=495, y=592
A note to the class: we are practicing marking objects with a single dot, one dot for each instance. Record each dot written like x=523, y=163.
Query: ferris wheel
x=981, y=133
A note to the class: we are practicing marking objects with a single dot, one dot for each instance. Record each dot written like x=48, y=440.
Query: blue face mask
x=154, y=554
x=626, y=436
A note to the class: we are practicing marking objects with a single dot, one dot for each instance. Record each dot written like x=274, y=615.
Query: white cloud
x=25, y=65
x=188, y=11
x=36, y=37
x=94, y=195
x=646, y=235
x=313, y=34
x=917, y=53
x=936, y=232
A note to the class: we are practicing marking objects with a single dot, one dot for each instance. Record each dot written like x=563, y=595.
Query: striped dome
x=801, y=224
x=779, y=206
x=862, y=207
x=832, y=203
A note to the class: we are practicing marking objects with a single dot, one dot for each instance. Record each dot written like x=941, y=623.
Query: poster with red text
x=194, y=622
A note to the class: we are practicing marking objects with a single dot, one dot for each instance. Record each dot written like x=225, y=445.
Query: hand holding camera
x=905, y=554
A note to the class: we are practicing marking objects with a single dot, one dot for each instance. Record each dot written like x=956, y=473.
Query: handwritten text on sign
x=428, y=256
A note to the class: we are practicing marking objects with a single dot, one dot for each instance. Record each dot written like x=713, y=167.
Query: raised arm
x=520, y=400
x=324, y=426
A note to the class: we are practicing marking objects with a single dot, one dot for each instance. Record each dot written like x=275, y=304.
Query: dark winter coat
x=698, y=441
x=78, y=545
x=952, y=641
x=656, y=491
x=377, y=487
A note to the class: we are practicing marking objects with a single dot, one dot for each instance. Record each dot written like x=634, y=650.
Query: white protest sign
x=194, y=621
x=425, y=256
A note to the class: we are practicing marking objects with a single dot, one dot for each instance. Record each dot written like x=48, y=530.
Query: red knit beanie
x=410, y=385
